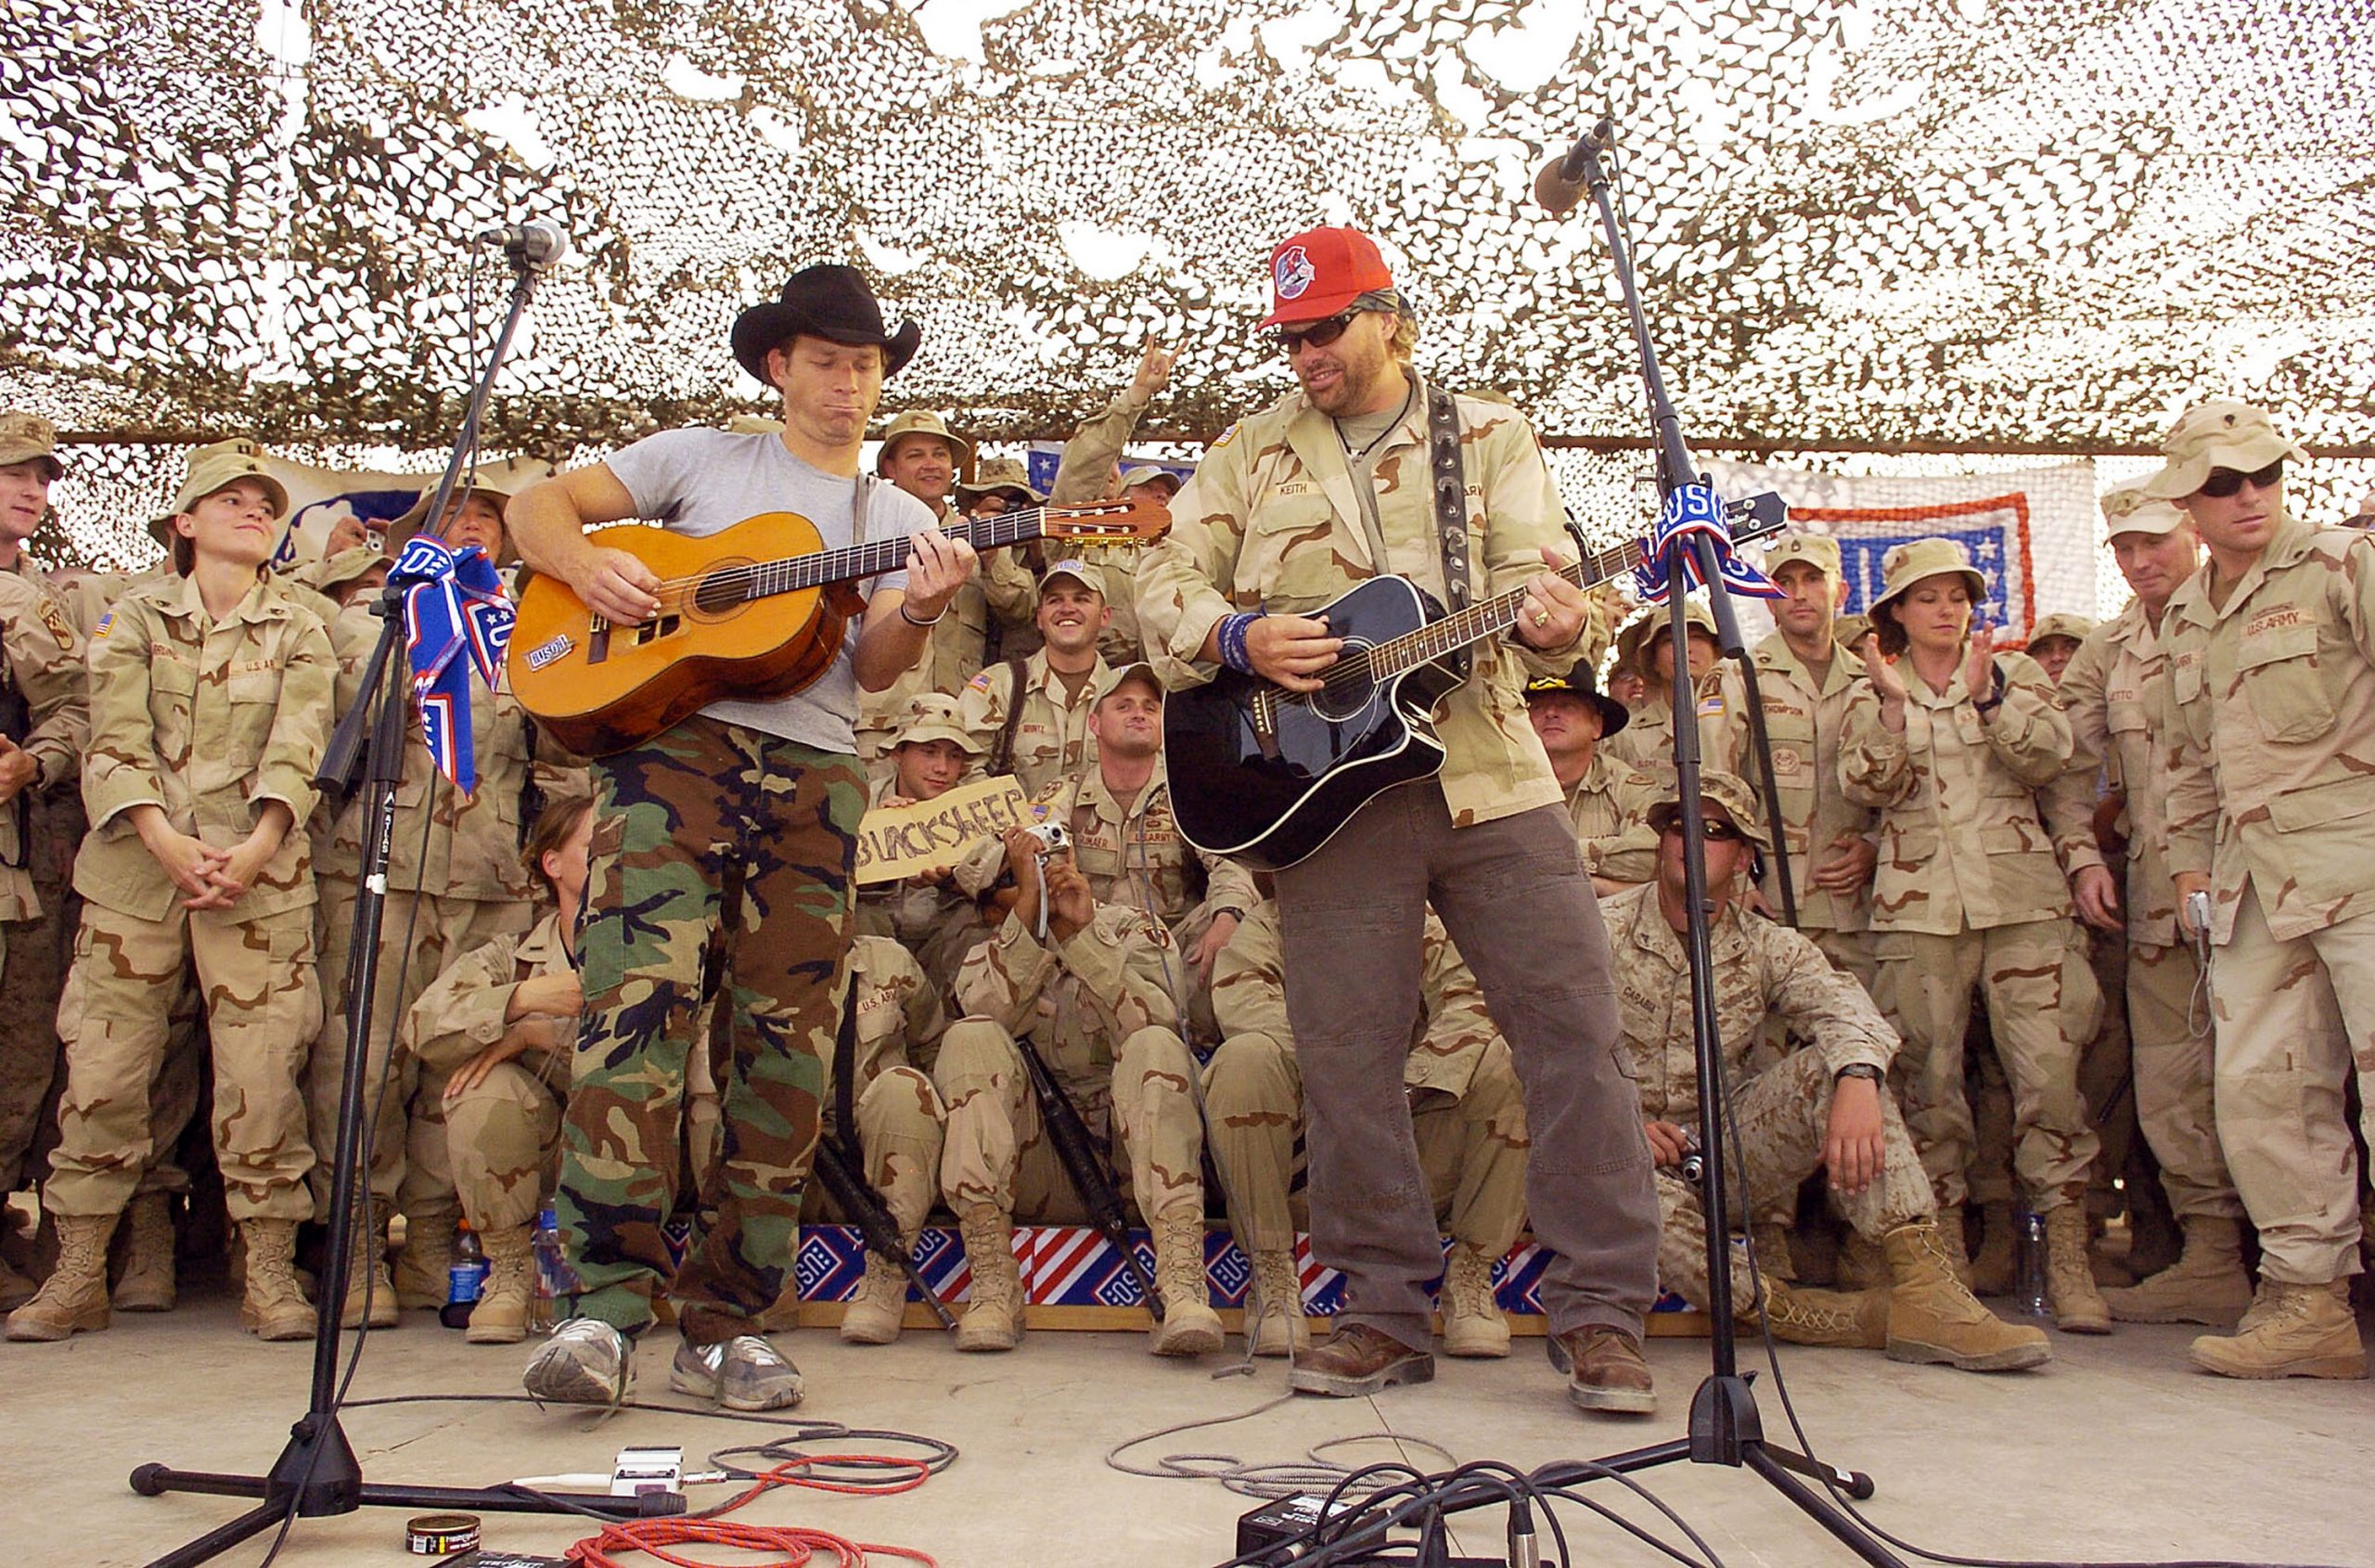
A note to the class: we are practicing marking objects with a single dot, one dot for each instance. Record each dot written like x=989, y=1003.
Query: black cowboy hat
x=829, y=301
x=1580, y=682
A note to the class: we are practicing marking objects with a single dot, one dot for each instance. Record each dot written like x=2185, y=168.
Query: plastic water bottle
x=555, y=1278
x=2029, y=1286
x=464, y=1278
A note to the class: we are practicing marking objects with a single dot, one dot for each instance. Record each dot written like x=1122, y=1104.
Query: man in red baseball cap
x=1289, y=511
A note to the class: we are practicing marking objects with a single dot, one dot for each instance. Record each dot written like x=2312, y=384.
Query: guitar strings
x=741, y=576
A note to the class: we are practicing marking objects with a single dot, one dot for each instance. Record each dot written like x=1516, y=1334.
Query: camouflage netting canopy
x=1979, y=223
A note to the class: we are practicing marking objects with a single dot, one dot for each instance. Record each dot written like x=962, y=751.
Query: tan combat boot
x=1799, y=1315
x=274, y=1306
x=1996, y=1265
x=878, y=1310
x=1281, y=1329
x=74, y=1299
x=1861, y=1265
x=1473, y=1322
x=1934, y=1319
x=422, y=1276
x=1189, y=1326
x=2070, y=1274
x=2206, y=1285
x=993, y=1318
x=500, y=1316
x=371, y=1261
x=146, y=1282
x=2302, y=1331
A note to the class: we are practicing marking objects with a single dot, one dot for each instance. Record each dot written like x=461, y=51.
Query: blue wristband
x=1233, y=629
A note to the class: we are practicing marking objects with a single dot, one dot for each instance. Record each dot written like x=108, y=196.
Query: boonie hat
x=2060, y=624
x=410, y=523
x=1633, y=642
x=998, y=473
x=1917, y=559
x=2217, y=435
x=918, y=422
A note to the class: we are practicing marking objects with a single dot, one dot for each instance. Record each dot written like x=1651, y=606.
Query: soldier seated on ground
x=500, y=1026
x=1824, y=1107
x=1467, y=1112
x=936, y=920
x=1087, y=984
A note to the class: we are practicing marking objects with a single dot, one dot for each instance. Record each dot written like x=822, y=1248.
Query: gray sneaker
x=744, y=1373
x=586, y=1362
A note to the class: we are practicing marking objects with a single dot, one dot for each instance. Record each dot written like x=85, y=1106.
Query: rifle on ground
x=1087, y=1168
x=859, y=1202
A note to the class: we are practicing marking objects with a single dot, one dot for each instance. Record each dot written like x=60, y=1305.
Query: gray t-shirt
x=703, y=481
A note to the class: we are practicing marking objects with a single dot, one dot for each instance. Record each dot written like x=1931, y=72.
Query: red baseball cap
x=1320, y=272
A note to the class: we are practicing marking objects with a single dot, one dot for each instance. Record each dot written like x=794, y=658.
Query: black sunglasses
x=2224, y=482
x=1710, y=829
x=1319, y=334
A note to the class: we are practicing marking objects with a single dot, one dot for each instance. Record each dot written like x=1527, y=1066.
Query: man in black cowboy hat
x=1607, y=800
x=756, y=800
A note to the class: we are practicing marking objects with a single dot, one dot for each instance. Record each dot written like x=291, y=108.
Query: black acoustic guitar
x=1267, y=776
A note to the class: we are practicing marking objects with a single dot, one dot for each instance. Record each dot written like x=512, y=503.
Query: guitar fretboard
x=853, y=562
x=1489, y=617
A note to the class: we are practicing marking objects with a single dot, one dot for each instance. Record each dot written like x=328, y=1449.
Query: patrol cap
x=1580, y=682
x=932, y=716
x=998, y=473
x=2217, y=435
x=920, y=422
x=214, y=468
x=2060, y=624
x=2133, y=509
x=411, y=522
x=26, y=436
x=1112, y=680
x=350, y=564
x=1818, y=550
x=1090, y=577
x=1918, y=559
x=1323, y=271
x=1849, y=630
x=1727, y=792
x=1149, y=473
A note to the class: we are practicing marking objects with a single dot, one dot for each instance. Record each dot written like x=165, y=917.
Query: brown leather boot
x=1189, y=1326
x=1934, y=1319
x=2069, y=1290
x=1280, y=1330
x=274, y=1306
x=1604, y=1370
x=74, y=1299
x=145, y=1281
x=993, y=1318
x=1357, y=1360
x=1473, y=1322
x=500, y=1315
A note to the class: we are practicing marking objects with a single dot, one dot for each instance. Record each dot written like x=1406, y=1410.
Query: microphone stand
x=317, y=1474
x=1725, y=1425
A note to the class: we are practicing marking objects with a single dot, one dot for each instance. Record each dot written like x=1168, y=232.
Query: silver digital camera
x=1052, y=836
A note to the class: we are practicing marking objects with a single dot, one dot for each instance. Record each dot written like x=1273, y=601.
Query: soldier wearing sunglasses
x=2269, y=711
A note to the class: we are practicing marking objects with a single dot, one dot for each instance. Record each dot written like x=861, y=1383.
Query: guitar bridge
x=597, y=638
x=1265, y=722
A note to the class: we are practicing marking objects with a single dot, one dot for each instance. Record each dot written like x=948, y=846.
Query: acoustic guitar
x=1267, y=776
x=756, y=610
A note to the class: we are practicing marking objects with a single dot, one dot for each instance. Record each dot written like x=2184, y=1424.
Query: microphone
x=536, y=243
x=1561, y=183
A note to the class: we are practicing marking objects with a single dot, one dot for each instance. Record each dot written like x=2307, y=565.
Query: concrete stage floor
x=2117, y=1451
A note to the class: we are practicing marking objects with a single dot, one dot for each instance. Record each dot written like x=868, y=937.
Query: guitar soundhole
x=1348, y=684
x=723, y=590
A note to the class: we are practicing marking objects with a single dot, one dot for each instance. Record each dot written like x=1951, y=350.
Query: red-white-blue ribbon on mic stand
x=1695, y=509
x=456, y=618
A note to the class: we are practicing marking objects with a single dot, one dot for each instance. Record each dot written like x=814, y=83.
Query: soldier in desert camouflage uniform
x=211, y=708
x=927, y=913
x=454, y=883
x=1467, y=1112
x=1091, y=471
x=1824, y=1107
x=1049, y=743
x=2107, y=691
x=1646, y=647
x=2269, y=715
x=1951, y=740
x=1607, y=803
x=1094, y=997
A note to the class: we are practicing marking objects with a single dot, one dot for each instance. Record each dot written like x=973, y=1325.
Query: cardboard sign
x=897, y=842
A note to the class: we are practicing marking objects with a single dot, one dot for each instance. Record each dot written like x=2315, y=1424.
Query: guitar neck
x=1493, y=616
x=854, y=563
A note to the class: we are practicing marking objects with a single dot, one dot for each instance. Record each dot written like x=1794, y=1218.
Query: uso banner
x=2032, y=532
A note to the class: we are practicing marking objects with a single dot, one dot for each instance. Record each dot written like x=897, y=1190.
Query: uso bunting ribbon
x=1695, y=509
x=453, y=605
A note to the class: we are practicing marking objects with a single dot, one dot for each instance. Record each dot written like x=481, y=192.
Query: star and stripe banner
x=457, y=619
